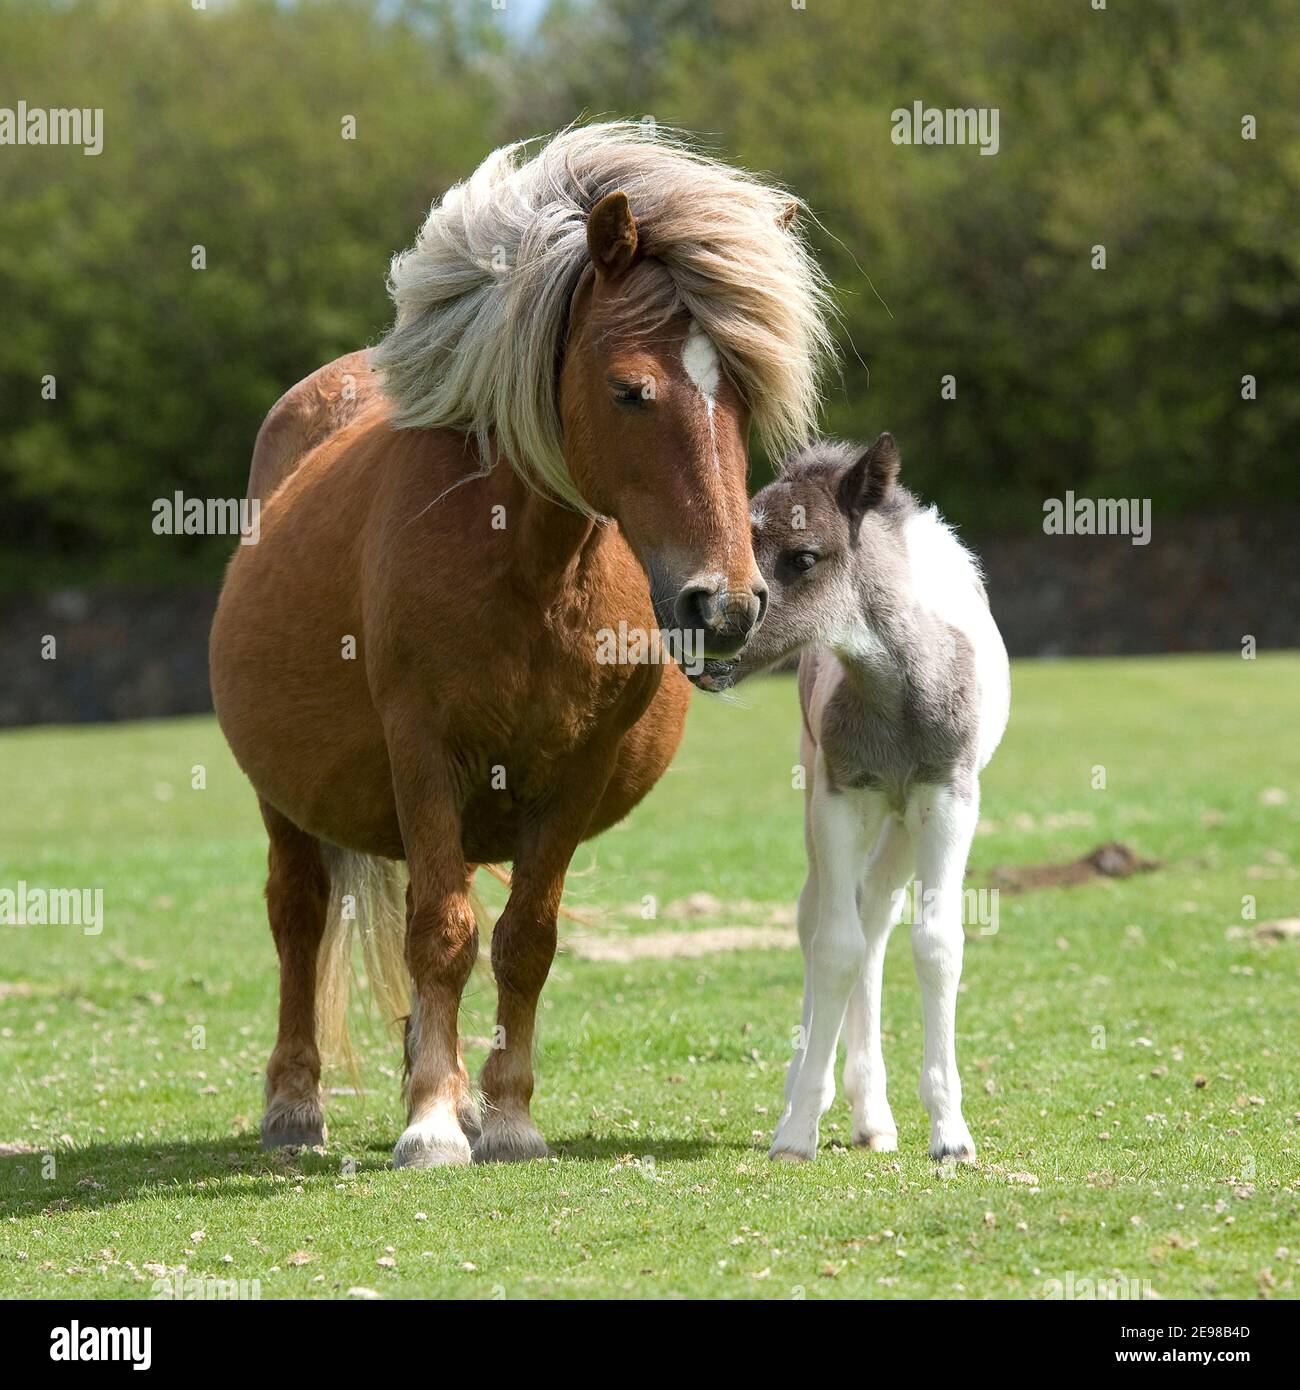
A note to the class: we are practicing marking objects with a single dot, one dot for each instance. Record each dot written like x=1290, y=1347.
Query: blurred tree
x=224, y=129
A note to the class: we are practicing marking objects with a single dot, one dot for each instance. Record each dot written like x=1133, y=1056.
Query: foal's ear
x=611, y=236
x=869, y=481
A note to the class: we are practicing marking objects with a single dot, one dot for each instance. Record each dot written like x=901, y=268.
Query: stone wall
x=1201, y=585
x=118, y=654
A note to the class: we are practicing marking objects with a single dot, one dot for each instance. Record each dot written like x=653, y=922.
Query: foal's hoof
x=880, y=1143
x=293, y=1124
x=427, y=1145
x=952, y=1145
x=795, y=1141
x=965, y=1153
x=506, y=1140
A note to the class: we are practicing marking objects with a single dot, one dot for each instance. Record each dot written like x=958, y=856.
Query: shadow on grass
x=99, y=1176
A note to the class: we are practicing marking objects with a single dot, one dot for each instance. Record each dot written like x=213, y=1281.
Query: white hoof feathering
x=432, y=1142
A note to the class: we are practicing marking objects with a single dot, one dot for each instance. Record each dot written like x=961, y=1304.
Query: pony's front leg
x=843, y=826
x=441, y=944
x=523, y=947
x=942, y=823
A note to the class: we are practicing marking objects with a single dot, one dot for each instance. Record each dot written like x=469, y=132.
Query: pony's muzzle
x=724, y=618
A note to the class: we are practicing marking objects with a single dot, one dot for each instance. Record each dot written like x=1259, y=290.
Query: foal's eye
x=801, y=561
x=628, y=392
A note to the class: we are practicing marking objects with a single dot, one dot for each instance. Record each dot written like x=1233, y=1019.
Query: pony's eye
x=801, y=561
x=628, y=392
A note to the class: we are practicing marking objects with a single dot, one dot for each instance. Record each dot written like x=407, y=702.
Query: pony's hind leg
x=880, y=906
x=297, y=897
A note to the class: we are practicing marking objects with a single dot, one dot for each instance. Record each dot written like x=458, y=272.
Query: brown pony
x=550, y=445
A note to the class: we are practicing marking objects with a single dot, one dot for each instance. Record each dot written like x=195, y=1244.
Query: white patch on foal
x=945, y=580
x=704, y=367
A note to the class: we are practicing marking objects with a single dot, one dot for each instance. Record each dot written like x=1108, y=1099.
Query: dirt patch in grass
x=663, y=945
x=1113, y=860
x=767, y=926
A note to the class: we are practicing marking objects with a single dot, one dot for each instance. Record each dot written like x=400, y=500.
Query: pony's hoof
x=292, y=1124
x=431, y=1145
x=508, y=1141
x=881, y=1142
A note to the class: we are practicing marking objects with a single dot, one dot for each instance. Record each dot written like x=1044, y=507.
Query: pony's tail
x=367, y=899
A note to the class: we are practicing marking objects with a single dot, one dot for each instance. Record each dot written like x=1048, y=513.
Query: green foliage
x=223, y=129
x=1119, y=128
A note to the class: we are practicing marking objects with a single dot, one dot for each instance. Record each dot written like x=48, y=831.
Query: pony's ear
x=611, y=236
x=869, y=481
x=786, y=216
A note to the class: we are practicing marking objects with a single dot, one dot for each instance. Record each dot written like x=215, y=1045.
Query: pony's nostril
x=743, y=612
x=760, y=592
x=724, y=617
x=698, y=606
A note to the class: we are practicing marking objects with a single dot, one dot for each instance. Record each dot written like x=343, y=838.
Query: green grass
x=1130, y=1061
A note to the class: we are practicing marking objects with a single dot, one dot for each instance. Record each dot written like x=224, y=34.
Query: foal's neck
x=870, y=651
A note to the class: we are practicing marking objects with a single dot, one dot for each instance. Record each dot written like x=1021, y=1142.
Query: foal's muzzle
x=723, y=618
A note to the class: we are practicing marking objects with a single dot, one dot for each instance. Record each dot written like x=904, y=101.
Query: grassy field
x=1128, y=1046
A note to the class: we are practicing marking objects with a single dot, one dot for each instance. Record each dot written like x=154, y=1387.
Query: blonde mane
x=482, y=297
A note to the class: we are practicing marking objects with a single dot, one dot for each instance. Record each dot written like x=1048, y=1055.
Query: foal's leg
x=297, y=895
x=806, y=911
x=942, y=824
x=806, y=920
x=844, y=826
x=441, y=943
x=523, y=947
x=880, y=907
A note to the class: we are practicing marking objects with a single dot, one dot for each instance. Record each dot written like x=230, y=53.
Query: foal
x=905, y=693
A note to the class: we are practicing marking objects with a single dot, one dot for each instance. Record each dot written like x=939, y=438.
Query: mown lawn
x=1128, y=1046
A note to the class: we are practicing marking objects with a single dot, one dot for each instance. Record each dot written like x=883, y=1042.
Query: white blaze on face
x=703, y=366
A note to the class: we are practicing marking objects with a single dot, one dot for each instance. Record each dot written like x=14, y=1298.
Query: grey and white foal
x=905, y=693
